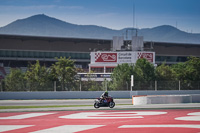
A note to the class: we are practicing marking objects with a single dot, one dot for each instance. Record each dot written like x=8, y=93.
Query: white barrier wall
x=89, y=94
x=162, y=99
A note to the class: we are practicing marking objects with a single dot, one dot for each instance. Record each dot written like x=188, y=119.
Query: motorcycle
x=106, y=102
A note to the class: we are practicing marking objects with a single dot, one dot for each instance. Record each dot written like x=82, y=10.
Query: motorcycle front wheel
x=112, y=104
x=96, y=105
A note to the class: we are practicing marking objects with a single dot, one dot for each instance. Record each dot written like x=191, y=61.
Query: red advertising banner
x=105, y=57
x=148, y=56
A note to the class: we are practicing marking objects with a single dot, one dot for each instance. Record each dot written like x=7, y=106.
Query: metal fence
x=102, y=86
x=167, y=85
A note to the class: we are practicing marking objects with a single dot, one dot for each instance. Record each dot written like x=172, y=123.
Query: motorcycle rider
x=103, y=96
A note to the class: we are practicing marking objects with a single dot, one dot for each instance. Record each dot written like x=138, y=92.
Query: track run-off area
x=102, y=121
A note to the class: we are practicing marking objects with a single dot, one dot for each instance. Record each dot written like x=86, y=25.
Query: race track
x=102, y=121
x=57, y=102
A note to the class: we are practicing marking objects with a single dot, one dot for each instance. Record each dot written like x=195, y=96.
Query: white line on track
x=158, y=126
x=24, y=116
x=4, y=128
x=111, y=115
x=68, y=129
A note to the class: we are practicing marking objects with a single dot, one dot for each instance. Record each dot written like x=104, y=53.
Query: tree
x=189, y=70
x=64, y=71
x=144, y=70
x=144, y=75
x=166, y=77
x=165, y=73
x=188, y=73
x=37, y=77
x=15, y=80
x=193, y=69
x=179, y=70
x=121, y=76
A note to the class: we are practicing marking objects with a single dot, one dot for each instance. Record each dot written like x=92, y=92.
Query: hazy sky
x=115, y=14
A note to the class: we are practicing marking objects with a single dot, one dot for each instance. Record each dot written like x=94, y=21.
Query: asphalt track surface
x=88, y=105
x=179, y=118
x=121, y=104
x=57, y=102
x=106, y=121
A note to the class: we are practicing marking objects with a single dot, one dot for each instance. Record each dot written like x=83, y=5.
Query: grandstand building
x=19, y=51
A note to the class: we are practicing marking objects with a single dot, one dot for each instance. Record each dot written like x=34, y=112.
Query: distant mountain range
x=42, y=25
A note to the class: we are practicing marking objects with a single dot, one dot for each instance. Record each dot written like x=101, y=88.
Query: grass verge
x=52, y=106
